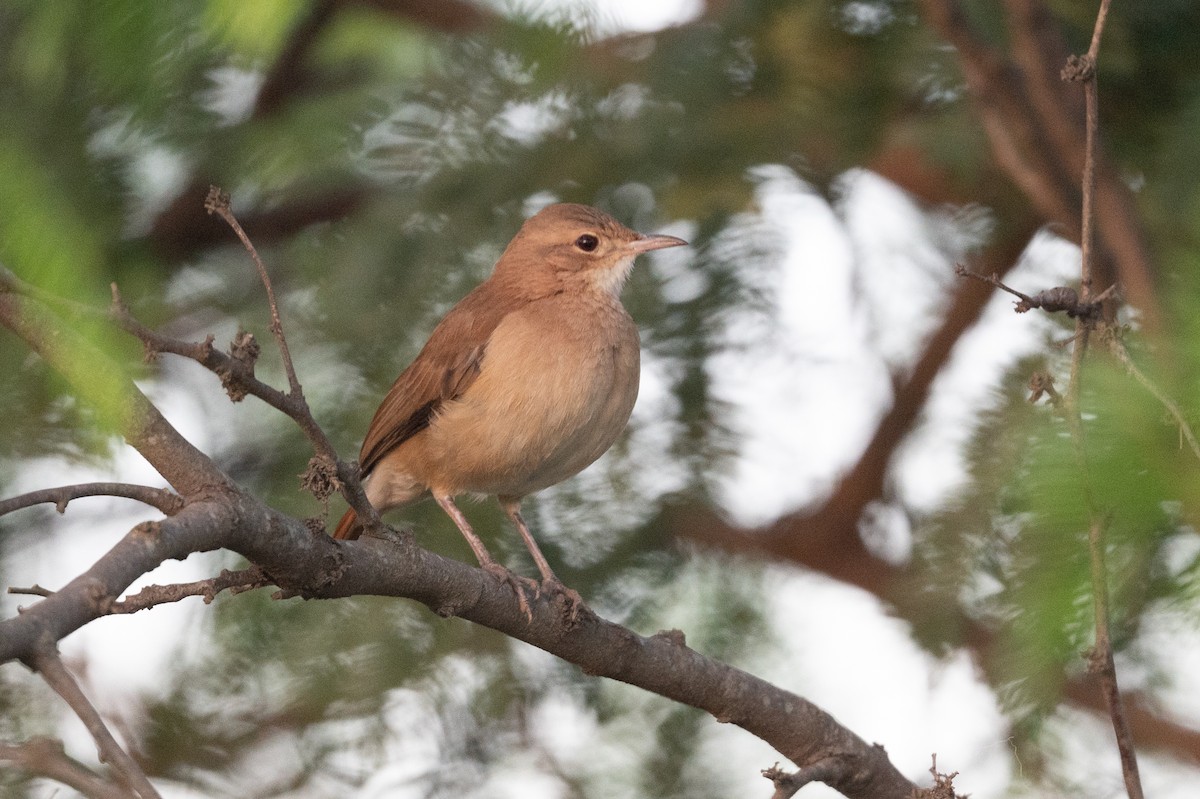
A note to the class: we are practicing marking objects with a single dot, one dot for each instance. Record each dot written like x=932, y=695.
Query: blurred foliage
x=444, y=143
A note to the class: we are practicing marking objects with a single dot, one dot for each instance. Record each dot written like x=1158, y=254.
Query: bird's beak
x=657, y=242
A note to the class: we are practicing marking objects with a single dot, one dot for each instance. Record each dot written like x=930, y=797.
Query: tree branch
x=165, y=501
x=150, y=596
x=317, y=566
x=44, y=757
x=46, y=662
x=788, y=783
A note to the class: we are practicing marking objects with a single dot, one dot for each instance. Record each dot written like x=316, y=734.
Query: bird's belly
x=527, y=424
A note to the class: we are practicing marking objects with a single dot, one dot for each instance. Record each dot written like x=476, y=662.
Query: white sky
x=616, y=16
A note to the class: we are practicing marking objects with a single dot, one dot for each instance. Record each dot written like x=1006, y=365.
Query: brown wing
x=445, y=368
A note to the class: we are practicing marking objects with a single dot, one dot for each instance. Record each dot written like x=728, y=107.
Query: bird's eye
x=587, y=242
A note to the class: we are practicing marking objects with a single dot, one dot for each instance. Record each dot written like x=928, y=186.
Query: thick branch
x=317, y=566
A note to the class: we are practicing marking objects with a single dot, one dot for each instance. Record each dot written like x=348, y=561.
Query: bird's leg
x=486, y=562
x=550, y=581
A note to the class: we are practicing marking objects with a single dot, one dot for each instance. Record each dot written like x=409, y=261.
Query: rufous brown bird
x=527, y=380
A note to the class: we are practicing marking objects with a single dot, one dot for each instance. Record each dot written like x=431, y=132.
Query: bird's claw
x=527, y=589
x=572, y=601
x=518, y=584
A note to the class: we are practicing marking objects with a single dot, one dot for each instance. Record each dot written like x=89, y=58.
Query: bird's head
x=570, y=244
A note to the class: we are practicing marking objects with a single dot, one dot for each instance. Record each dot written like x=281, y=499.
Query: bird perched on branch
x=527, y=380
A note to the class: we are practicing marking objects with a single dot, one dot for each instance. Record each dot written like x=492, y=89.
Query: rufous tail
x=348, y=528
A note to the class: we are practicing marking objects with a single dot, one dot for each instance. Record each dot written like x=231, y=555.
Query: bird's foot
x=571, y=602
x=518, y=584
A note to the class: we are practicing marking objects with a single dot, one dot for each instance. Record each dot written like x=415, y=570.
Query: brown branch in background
x=1027, y=119
x=46, y=662
x=45, y=757
x=447, y=16
x=826, y=538
x=1010, y=119
x=235, y=582
x=182, y=229
x=166, y=501
x=288, y=75
x=1039, y=51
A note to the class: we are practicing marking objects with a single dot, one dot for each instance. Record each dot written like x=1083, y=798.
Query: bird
x=525, y=382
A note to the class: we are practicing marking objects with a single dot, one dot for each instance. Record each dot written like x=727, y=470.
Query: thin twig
x=1100, y=660
x=166, y=501
x=1059, y=298
x=1098, y=31
x=33, y=590
x=234, y=581
x=49, y=665
x=45, y=757
x=1117, y=347
x=218, y=203
x=236, y=371
x=825, y=770
x=1084, y=69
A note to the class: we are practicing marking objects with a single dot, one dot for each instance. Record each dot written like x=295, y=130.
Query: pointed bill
x=655, y=242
